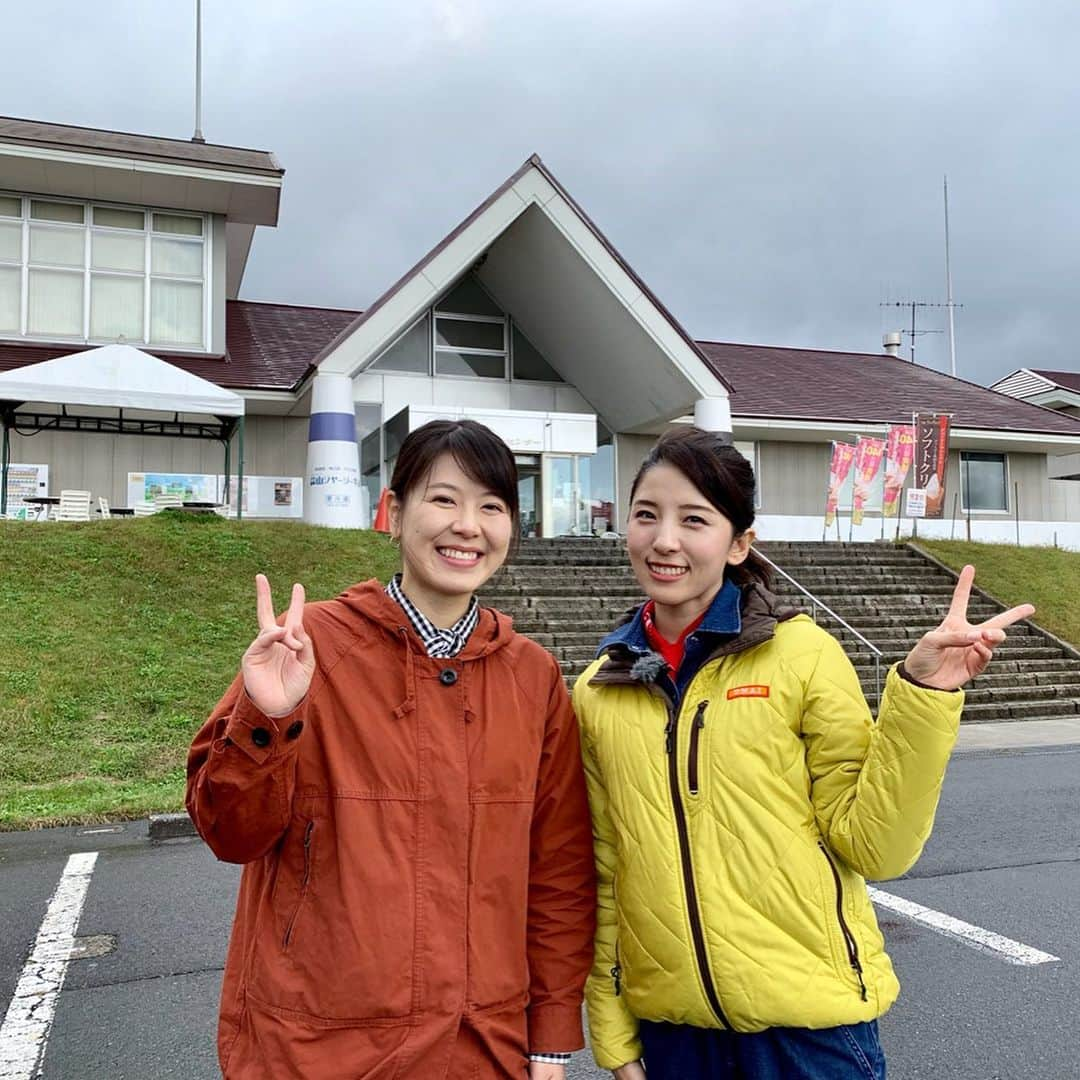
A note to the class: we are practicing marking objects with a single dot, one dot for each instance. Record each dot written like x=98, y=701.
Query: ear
x=740, y=548
x=395, y=508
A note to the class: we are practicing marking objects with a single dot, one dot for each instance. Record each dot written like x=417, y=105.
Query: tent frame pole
x=5, y=460
x=240, y=471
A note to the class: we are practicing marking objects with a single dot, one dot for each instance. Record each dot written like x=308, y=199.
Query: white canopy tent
x=119, y=377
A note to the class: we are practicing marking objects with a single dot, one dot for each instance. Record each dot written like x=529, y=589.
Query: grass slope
x=118, y=637
x=1047, y=577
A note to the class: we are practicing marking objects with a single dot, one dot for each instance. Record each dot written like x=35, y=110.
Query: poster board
x=193, y=487
x=267, y=496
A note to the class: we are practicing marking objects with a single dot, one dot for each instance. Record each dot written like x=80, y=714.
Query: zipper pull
x=859, y=974
x=669, y=733
x=616, y=976
x=699, y=719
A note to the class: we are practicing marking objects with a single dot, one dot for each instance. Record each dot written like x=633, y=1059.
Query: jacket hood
x=369, y=601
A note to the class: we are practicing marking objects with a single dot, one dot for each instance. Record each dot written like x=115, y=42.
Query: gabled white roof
x=120, y=376
x=574, y=297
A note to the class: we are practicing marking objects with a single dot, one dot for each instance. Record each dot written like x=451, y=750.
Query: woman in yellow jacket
x=741, y=792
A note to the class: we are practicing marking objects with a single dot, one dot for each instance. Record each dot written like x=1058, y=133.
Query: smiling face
x=454, y=535
x=680, y=546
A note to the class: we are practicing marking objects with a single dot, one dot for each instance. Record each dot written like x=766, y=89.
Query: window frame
x=964, y=508
x=147, y=274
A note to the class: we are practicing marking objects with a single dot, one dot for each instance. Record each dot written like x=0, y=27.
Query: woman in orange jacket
x=399, y=773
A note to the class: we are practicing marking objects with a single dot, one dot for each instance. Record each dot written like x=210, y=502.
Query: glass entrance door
x=530, y=503
x=566, y=508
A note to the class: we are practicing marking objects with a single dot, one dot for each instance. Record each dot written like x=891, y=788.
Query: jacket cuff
x=555, y=1025
x=260, y=736
x=908, y=677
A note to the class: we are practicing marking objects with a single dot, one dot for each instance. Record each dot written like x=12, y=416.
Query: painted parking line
x=25, y=1031
x=1012, y=952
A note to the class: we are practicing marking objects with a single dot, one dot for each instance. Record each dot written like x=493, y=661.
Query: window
x=983, y=482
x=529, y=363
x=411, y=352
x=470, y=333
x=101, y=273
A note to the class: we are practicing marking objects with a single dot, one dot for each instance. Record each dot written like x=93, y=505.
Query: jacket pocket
x=305, y=880
x=850, y=944
x=693, y=777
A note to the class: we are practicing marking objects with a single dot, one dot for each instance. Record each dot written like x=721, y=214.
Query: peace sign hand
x=280, y=662
x=956, y=651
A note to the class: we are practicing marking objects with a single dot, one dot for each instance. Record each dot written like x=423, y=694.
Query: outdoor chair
x=103, y=507
x=74, y=506
x=166, y=500
x=145, y=509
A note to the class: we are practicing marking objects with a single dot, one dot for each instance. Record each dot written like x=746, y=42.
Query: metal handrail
x=816, y=603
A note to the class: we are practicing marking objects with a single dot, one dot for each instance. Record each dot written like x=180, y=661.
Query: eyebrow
x=684, y=506
x=454, y=488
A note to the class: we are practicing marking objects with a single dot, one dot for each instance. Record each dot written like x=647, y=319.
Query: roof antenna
x=198, y=136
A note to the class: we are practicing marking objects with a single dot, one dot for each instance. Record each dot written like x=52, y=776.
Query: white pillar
x=333, y=492
x=713, y=414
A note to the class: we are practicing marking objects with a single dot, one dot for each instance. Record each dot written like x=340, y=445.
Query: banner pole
x=1016, y=504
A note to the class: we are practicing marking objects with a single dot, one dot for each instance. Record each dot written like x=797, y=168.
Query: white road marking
x=25, y=1031
x=1012, y=952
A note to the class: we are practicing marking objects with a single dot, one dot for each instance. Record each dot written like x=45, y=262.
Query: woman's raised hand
x=956, y=651
x=280, y=662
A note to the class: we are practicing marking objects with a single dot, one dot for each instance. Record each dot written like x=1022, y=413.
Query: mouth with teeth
x=666, y=571
x=459, y=556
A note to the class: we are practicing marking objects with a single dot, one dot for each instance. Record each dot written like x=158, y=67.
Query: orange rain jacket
x=418, y=895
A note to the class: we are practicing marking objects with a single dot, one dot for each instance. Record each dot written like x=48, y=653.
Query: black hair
x=480, y=453
x=723, y=476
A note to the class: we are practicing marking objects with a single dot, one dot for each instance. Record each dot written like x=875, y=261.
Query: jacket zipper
x=695, y=738
x=303, y=884
x=616, y=971
x=849, y=937
x=698, y=934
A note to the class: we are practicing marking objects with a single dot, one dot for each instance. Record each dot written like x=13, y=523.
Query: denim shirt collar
x=723, y=617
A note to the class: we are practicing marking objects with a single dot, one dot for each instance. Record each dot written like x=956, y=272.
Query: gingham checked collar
x=438, y=643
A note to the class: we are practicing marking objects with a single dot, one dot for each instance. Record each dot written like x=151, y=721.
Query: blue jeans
x=681, y=1052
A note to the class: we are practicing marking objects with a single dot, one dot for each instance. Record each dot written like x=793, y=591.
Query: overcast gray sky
x=773, y=170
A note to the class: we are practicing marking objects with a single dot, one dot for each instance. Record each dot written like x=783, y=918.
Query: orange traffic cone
x=382, y=514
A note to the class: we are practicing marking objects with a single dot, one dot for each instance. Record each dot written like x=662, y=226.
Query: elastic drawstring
x=409, y=704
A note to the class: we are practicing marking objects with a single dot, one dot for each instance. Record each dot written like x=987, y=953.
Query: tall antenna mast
x=948, y=288
x=198, y=136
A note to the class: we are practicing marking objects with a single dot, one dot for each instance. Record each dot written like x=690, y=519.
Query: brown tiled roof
x=123, y=144
x=806, y=384
x=1070, y=380
x=269, y=346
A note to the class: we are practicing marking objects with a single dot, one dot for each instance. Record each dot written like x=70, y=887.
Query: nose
x=467, y=522
x=665, y=539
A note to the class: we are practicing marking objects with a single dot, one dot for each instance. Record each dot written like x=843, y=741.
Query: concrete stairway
x=568, y=593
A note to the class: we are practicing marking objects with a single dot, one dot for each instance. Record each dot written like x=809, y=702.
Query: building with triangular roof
x=524, y=316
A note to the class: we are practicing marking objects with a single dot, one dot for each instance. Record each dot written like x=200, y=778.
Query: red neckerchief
x=671, y=651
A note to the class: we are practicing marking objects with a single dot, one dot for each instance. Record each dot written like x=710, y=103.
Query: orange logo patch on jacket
x=747, y=691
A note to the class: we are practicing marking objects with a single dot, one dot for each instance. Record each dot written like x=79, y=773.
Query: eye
x=442, y=500
x=695, y=519
x=644, y=515
x=495, y=508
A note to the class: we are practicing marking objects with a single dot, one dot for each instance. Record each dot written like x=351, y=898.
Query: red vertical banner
x=869, y=453
x=899, y=451
x=843, y=454
x=932, y=459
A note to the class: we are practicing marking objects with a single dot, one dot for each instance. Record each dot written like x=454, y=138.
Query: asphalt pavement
x=1005, y=856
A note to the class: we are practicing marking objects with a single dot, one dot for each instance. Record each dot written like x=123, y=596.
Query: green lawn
x=117, y=638
x=1047, y=577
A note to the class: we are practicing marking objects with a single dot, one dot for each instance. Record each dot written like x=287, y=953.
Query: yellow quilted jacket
x=734, y=832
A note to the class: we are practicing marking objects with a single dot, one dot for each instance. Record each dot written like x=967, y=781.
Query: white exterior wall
x=396, y=391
